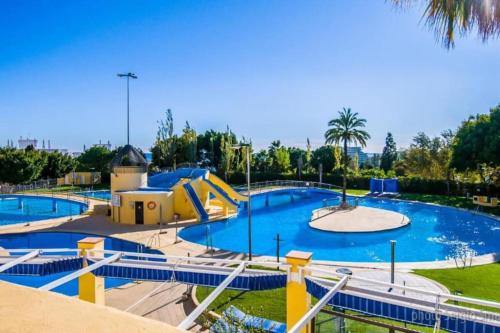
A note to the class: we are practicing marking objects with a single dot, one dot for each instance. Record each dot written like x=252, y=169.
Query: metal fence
x=47, y=187
x=39, y=184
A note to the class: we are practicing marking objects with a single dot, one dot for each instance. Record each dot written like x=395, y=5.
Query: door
x=139, y=212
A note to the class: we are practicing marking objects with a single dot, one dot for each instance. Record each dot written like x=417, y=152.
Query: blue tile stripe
x=397, y=312
x=47, y=268
x=242, y=282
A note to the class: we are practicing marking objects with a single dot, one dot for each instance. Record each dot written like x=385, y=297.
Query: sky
x=267, y=69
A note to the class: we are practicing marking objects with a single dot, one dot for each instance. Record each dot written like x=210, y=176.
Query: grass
x=354, y=191
x=453, y=201
x=477, y=281
x=271, y=304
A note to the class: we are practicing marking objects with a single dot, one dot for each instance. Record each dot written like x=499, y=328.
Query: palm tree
x=347, y=129
x=448, y=16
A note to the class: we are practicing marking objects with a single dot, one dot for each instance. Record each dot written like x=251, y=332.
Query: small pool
x=34, y=240
x=25, y=208
x=102, y=195
x=435, y=233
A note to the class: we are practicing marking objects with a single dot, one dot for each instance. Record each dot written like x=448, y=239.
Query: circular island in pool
x=27, y=208
x=357, y=219
x=435, y=232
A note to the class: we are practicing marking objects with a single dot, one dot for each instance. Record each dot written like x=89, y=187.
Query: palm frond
x=462, y=16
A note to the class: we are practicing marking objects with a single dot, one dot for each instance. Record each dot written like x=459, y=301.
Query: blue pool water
x=47, y=240
x=23, y=208
x=436, y=232
x=103, y=195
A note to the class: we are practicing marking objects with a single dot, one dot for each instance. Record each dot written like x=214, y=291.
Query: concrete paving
x=357, y=219
x=165, y=302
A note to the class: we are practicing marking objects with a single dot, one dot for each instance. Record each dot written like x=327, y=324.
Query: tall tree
x=447, y=17
x=95, y=159
x=164, y=150
x=188, y=141
x=428, y=157
x=347, y=128
x=477, y=141
x=228, y=153
x=19, y=166
x=389, y=153
x=297, y=156
x=280, y=157
x=57, y=165
x=308, y=155
x=324, y=155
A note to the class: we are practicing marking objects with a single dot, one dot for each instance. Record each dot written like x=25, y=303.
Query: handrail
x=318, y=306
x=405, y=288
x=19, y=260
x=76, y=274
x=190, y=259
x=43, y=250
x=259, y=186
x=186, y=323
x=38, y=184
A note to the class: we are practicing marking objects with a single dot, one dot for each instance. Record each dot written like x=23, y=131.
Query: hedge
x=406, y=184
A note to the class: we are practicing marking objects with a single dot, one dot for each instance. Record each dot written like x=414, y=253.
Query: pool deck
x=168, y=304
x=357, y=219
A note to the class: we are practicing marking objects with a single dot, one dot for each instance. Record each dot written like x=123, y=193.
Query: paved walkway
x=166, y=301
x=357, y=219
x=409, y=280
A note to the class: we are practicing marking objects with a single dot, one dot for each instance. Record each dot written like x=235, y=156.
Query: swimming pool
x=103, y=195
x=48, y=240
x=435, y=233
x=25, y=208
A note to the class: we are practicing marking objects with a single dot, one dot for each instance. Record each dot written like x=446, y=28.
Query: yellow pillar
x=91, y=287
x=297, y=299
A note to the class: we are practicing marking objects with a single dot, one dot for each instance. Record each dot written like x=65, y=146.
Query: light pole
x=249, y=208
x=128, y=76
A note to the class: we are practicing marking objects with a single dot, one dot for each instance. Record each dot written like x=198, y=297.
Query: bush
x=406, y=184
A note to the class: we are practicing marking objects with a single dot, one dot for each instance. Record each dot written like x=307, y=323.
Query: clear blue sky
x=268, y=69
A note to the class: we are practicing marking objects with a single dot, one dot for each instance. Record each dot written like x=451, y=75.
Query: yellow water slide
x=220, y=195
x=228, y=189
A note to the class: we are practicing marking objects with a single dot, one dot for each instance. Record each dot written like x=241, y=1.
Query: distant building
x=25, y=143
x=353, y=151
x=104, y=145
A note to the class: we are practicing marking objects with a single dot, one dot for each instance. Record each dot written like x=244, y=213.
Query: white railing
x=270, y=184
x=39, y=184
x=404, y=288
x=195, y=264
x=171, y=258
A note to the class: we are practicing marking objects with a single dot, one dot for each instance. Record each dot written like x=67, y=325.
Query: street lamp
x=128, y=76
x=240, y=146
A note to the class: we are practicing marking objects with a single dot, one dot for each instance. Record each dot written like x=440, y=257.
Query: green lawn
x=271, y=304
x=454, y=201
x=353, y=191
x=477, y=281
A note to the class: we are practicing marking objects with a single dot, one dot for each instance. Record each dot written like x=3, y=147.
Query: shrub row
x=406, y=184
